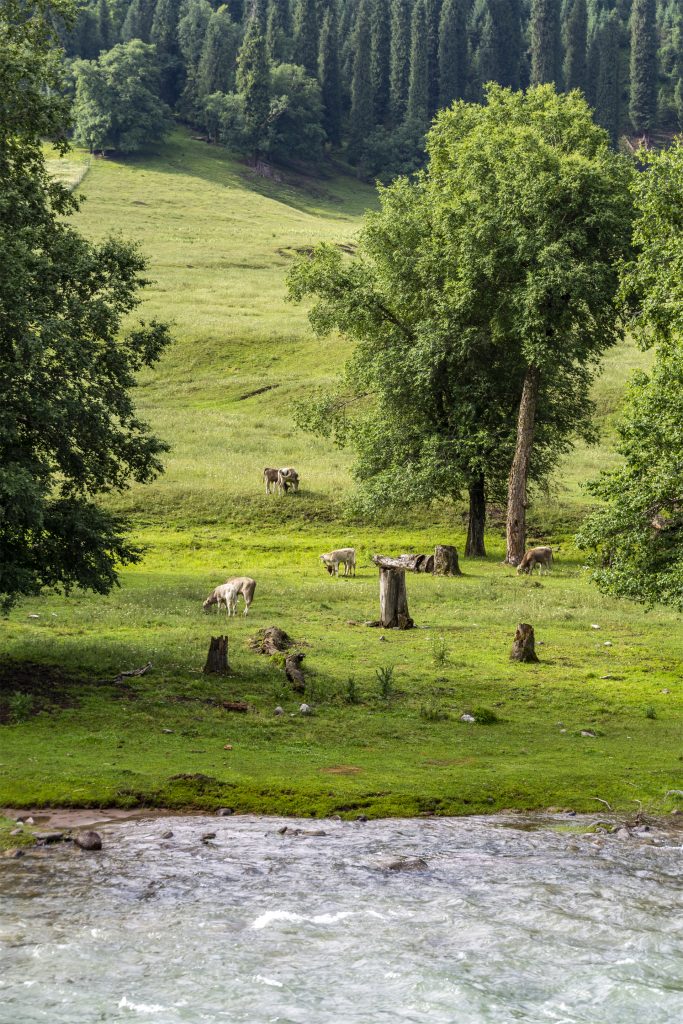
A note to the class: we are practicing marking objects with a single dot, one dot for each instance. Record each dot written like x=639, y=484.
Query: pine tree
x=361, y=115
x=452, y=52
x=486, y=58
x=545, y=41
x=253, y=82
x=88, y=40
x=643, y=102
x=574, y=39
x=104, y=25
x=399, y=60
x=380, y=59
x=216, y=69
x=306, y=35
x=432, y=21
x=418, y=88
x=328, y=76
x=164, y=30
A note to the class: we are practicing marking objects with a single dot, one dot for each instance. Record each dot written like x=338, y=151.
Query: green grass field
x=219, y=243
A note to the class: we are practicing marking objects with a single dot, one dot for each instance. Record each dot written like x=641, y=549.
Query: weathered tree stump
x=446, y=561
x=523, y=648
x=293, y=671
x=393, y=599
x=217, y=658
x=272, y=640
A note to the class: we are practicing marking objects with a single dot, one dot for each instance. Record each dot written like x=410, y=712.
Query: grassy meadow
x=219, y=243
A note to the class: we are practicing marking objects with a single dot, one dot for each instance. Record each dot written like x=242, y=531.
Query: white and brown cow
x=342, y=556
x=286, y=478
x=541, y=557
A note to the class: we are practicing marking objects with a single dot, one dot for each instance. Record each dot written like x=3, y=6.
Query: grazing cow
x=342, y=556
x=228, y=593
x=271, y=478
x=286, y=478
x=536, y=556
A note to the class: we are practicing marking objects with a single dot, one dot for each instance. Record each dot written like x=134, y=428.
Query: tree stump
x=293, y=671
x=393, y=599
x=523, y=649
x=217, y=658
x=446, y=561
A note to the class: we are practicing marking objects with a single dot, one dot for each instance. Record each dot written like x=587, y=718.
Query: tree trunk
x=523, y=648
x=414, y=563
x=446, y=561
x=217, y=658
x=393, y=599
x=474, y=548
x=519, y=471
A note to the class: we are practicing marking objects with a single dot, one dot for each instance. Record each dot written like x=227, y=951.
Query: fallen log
x=132, y=672
x=293, y=671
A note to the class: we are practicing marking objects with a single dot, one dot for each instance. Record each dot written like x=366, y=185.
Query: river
x=502, y=919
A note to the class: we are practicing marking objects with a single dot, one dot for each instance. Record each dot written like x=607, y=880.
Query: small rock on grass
x=467, y=718
x=88, y=840
x=305, y=709
x=279, y=710
x=588, y=732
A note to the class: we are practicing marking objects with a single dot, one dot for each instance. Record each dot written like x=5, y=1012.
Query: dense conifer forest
x=292, y=79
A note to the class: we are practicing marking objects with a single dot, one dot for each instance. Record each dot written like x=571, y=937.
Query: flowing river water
x=486, y=921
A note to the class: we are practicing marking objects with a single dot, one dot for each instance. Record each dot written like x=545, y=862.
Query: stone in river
x=50, y=837
x=224, y=812
x=167, y=835
x=88, y=840
x=404, y=864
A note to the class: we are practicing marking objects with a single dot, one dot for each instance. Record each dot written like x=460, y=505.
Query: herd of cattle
x=282, y=479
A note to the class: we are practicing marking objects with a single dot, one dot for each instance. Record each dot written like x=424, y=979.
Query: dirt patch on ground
x=341, y=769
x=27, y=688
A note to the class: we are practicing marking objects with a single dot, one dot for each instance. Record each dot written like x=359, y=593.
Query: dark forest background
x=298, y=79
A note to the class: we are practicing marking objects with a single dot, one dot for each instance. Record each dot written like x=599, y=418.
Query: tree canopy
x=496, y=264
x=68, y=427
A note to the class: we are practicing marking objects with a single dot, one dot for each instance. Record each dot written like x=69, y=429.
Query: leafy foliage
x=118, y=106
x=68, y=428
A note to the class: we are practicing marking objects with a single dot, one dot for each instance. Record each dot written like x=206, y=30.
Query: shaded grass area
x=161, y=739
x=219, y=243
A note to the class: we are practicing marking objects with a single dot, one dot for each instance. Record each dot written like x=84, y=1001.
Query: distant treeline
x=290, y=77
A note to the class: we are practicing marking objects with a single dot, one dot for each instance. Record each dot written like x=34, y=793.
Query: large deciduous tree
x=68, y=428
x=637, y=536
x=117, y=104
x=480, y=300
x=540, y=216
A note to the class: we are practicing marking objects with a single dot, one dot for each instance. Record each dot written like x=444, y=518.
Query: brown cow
x=536, y=556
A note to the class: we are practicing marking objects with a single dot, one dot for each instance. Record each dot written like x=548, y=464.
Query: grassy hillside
x=219, y=242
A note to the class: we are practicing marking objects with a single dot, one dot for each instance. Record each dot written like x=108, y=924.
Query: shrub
x=385, y=681
x=21, y=706
x=484, y=716
x=351, y=696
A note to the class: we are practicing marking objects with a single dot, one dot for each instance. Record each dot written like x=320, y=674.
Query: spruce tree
x=418, y=87
x=164, y=30
x=544, y=29
x=380, y=59
x=574, y=39
x=452, y=52
x=399, y=60
x=88, y=41
x=253, y=82
x=361, y=114
x=104, y=25
x=216, y=69
x=328, y=76
x=607, y=77
x=278, y=31
x=643, y=101
x=138, y=21
x=432, y=21
x=486, y=57
x=306, y=35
